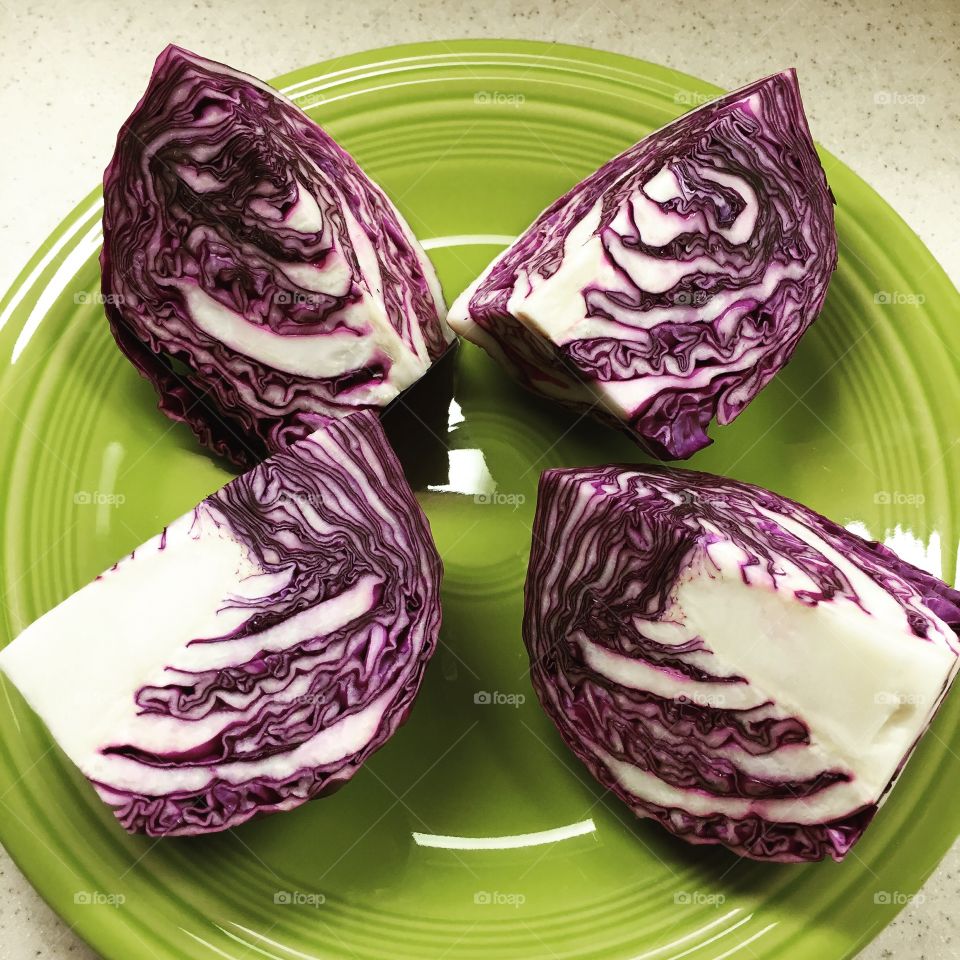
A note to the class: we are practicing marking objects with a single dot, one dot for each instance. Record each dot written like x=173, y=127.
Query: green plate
x=473, y=833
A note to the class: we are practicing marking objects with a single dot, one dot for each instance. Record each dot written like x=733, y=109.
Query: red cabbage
x=669, y=287
x=728, y=662
x=251, y=270
x=257, y=652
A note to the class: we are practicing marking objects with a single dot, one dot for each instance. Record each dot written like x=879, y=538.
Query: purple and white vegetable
x=257, y=652
x=728, y=662
x=666, y=289
x=251, y=270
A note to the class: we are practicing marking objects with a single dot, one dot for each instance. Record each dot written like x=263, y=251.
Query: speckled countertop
x=878, y=81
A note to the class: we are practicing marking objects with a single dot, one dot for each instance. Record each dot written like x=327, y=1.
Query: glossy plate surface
x=473, y=834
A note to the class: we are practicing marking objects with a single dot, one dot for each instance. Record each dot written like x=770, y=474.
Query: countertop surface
x=878, y=81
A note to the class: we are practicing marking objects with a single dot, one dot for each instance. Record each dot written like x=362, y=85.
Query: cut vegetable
x=728, y=662
x=253, y=655
x=669, y=287
x=251, y=270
